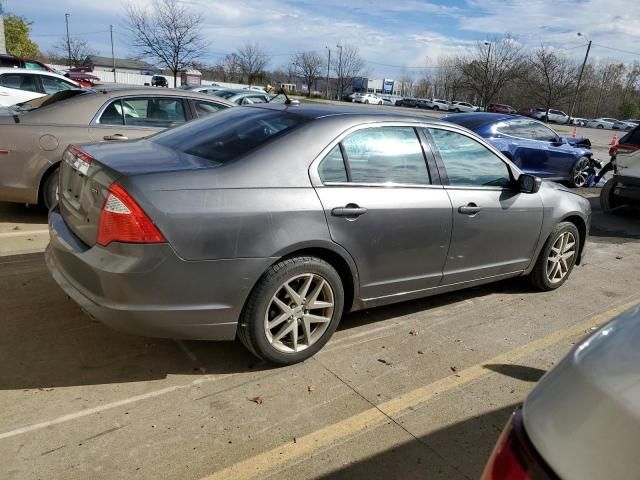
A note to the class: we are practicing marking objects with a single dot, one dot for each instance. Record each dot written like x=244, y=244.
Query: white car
x=210, y=89
x=463, y=107
x=367, y=98
x=602, y=123
x=438, y=104
x=19, y=85
x=555, y=116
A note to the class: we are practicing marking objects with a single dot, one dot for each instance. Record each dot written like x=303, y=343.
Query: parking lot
x=416, y=390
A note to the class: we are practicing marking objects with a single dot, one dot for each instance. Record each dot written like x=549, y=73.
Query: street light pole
x=113, y=56
x=66, y=19
x=575, y=97
x=328, y=65
x=340, y=73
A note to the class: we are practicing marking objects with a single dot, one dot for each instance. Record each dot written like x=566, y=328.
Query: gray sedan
x=269, y=222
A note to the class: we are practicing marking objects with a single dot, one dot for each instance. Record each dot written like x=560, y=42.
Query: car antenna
x=283, y=92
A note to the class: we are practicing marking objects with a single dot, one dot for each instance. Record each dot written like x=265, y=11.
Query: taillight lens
x=514, y=457
x=79, y=160
x=123, y=220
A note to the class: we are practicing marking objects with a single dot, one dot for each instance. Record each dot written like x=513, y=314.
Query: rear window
x=231, y=134
x=632, y=138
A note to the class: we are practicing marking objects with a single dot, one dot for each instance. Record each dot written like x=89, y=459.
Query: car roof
x=480, y=118
x=29, y=70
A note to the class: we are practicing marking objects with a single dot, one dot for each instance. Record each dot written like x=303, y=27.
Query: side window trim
x=345, y=161
x=442, y=170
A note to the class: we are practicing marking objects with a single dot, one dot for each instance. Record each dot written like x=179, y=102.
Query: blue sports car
x=532, y=146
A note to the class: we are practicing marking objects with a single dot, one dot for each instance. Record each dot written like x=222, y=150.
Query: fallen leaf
x=257, y=400
x=618, y=257
x=420, y=352
x=382, y=360
x=311, y=388
x=454, y=369
x=413, y=333
x=16, y=227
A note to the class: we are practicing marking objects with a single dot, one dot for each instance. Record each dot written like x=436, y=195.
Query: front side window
x=529, y=130
x=386, y=155
x=469, y=163
x=54, y=85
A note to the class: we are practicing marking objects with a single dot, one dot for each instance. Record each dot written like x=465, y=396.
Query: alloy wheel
x=299, y=313
x=561, y=257
x=581, y=173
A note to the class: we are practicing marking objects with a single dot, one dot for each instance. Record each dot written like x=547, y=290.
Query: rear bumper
x=148, y=290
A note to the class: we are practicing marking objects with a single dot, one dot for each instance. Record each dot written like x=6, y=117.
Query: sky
x=394, y=36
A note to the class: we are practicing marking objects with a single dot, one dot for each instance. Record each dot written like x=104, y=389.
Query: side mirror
x=529, y=183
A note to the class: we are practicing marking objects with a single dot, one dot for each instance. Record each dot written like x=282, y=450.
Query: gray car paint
x=271, y=203
x=583, y=417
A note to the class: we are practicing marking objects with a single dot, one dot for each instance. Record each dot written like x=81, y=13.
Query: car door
x=133, y=117
x=386, y=208
x=495, y=227
x=536, y=149
x=18, y=88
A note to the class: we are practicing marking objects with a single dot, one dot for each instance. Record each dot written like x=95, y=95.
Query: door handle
x=351, y=210
x=115, y=136
x=469, y=209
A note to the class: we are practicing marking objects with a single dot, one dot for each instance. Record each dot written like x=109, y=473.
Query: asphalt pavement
x=415, y=390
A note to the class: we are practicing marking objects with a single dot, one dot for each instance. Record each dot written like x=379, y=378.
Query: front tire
x=436, y=107
x=600, y=126
x=292, y=311
x=580, y=172
x=557, y=258
x=50, y=189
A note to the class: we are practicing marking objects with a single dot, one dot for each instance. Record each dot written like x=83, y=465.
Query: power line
x=617, y=49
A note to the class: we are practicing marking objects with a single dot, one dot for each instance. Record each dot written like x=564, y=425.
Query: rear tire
x=436, y=107
x=557, y=258
x=607, y=202
x=50, y=188
x=264, y=317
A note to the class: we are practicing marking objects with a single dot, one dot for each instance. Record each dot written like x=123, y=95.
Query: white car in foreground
x=602, y=123
x=367, y=98
x=19, y=85
x=463, y=107
x=582, y=420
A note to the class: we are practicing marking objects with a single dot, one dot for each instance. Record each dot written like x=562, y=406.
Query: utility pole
x=66, y=19
x=340, y=79
x=113, y=57
x=575, y=97
x=485, y=100
x=328, y=65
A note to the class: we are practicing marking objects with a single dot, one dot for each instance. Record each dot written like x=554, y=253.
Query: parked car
x=252, y=224
x=530, y=111
x=582, y=419
x=20, y=85
x=368, y=98
x=602, y=123
x=424, y=103
x=533, y=146
x=209, y=89
x=387, y=101
x=624, y=188
x=243, y=97
x=84, y=79
x=462, y=107
x=10, y=61
x=623, y=125
x=500, y=108
x=33, y=137
x=407, y=102
x=555, y=116
x=159, y=81
x=438, y=104
x=581, y=122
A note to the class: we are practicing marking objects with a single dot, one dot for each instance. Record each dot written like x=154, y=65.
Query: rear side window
x=19, y=81
x=467, y=162
x=230, y=134
x=204, y=108
x=159, y=112
x=331, y=168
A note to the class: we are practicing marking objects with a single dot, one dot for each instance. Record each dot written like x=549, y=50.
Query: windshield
x=226, y=94
x=228, y=135
x=49, y=99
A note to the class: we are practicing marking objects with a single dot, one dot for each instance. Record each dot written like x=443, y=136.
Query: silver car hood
x=584, y=415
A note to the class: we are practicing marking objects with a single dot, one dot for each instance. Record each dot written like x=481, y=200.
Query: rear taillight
x=123, y=220
x=79, y=160
x=514, y=457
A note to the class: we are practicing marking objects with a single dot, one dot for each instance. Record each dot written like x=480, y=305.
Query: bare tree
x=491, y=66
x=551, y=77
x=79, y=50
x=252, y=60
x=307, y=65
x=347, y=65
x=168, y=33
x=228, y=69
x=448, y=78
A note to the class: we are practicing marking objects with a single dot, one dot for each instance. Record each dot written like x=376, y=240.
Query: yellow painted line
x=373, y=417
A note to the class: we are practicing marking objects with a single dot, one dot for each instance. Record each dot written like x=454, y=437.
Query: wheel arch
x=43, y=177
x=581, y=225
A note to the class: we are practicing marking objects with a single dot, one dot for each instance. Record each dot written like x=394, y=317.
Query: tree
x=308, y=65
x=347, y=65
x=252, y=60
x=491, y=66
x=16, y=32
x=168, y=33
x=78, y=48
x=551, y=77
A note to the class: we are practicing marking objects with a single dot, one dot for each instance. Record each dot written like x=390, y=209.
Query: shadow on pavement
x=458, y=451
x=18, y=213
x=519, y=372
x=621, y=223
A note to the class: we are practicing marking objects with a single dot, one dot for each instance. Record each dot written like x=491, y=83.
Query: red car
x=500, y=108
x=9, y=61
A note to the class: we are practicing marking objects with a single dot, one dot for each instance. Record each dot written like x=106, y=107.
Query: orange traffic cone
x=574, y=132
x=614, y=140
